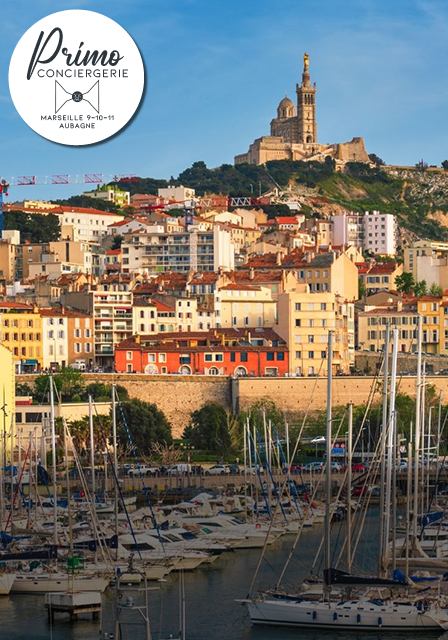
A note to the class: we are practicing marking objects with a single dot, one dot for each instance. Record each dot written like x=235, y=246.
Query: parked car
x=336, y=467
x=179, y=470
x=358, y=467
x=143, y=470
x=294, y=468
x=314, y=467
x=218, y=470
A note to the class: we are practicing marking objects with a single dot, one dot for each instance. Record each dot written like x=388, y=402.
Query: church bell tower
x=306, y=107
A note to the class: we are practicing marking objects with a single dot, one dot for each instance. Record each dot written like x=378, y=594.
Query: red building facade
x=225, y=352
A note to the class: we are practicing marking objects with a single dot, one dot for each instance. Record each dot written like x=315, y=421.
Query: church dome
x=286, y=108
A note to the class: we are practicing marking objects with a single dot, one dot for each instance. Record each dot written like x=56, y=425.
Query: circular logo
x=76, y=77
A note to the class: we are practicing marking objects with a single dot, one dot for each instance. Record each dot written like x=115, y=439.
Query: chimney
x=278, y=259
x=251, y=273
x=399, y=305
x=309, y=256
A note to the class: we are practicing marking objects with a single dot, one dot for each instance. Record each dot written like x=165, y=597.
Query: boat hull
x=365, y=616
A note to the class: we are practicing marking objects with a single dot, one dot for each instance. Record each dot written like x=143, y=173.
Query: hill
x=418, y=197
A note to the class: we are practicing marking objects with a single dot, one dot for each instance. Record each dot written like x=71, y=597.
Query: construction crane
x=56, y=179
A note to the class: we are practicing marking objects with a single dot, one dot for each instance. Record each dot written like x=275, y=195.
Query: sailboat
x=345, y=601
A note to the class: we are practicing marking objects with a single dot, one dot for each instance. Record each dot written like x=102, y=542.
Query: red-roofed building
x=253, y=352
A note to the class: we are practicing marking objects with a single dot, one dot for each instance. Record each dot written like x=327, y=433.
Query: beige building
x=304, y=320
x=332, y=272
x=239, y=306
x=7, y=394
x=372, y=327
x=428, y=260
x=381, y=277
x=164, y=314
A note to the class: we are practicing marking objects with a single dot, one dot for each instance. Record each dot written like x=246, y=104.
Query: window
x=297, y=306
x=129, y=368
x=298, y=322
x=77, y=333
x=151, y=357
x=233, y=357
x=311, y=323
x=323, y=306
x=311, y=339
x=243, y=357
x=185, y=359
x=88, y=347
x=219, y=357
x=311, y=355
x=280, y=355
x=129, y=355
x=270, y=356
x=50, y=334
x=323, y=355
x=298, y=354
x=77, y=347
x=208, y=357
x=162, y=357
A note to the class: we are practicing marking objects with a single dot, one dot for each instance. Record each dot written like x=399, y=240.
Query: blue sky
x=217, y=70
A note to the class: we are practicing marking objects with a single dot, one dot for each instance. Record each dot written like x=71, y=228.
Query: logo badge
x=76, y=77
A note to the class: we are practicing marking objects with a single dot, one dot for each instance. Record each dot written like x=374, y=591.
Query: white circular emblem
x=76, y=77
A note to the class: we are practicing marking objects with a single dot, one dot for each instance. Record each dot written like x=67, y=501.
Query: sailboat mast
x=417, y=425
x=53, y=457
x=390, y=444
x=383, y=445
x=349, y=486
x=92, y=448
x=327, y=548
x=114, y=440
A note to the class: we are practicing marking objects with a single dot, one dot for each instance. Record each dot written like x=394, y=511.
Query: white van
x=179, y=470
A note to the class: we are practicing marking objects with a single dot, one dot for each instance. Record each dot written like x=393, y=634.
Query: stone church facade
x=294, y=133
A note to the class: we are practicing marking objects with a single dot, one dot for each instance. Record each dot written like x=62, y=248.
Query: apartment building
x=240, y=305
x=110, y=193
x=54, y=339
x=178, y=194
x=164, y=314
x=348, y=229
x=380, y=233
x=21, y=333
x=227, y=352
x=10, y=257
x=304, y=320
x=428, y=260
x=64, y=256
x=381, y=277
x=157, y=249
x=80, y=339
x=372, y=327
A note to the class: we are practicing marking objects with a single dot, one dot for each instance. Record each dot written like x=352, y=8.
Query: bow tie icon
x=62, y=96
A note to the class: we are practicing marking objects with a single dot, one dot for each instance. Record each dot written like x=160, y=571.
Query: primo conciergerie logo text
x=76, y=77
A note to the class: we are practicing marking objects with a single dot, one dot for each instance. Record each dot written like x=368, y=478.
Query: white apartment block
x=156, y=250
x=179, y=194
x=86, y=224
x=428, y=260
x=380, y=233
x=112, y=318
x=348, y=230
x=375, y=232
x=54, y=340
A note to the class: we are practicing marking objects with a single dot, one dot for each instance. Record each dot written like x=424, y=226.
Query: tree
x=420, y=289
x=89, y=203
x=146, y=423
x=405, y=282
x=116, y=242
x=68, y=383
x=445, y=165
x=436, y=290
x=376, y=160
x=209, y=429
x=362, y=289
x=33, y=227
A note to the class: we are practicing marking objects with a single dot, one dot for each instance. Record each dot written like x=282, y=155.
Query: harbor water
x=211, y=610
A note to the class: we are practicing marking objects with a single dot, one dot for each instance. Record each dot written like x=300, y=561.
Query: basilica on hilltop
x=294, y=133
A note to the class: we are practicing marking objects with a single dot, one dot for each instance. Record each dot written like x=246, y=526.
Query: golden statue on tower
x=306, y=62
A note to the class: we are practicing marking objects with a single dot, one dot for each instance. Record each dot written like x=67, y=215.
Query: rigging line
x=134, y=454
x=90, y=505
x=109, y=457
x=263, y=551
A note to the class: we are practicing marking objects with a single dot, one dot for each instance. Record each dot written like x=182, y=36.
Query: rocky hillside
x=419, y=198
